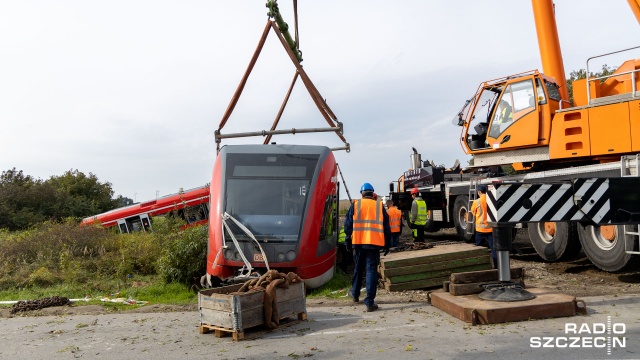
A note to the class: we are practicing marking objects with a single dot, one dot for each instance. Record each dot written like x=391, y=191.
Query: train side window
x=123, y=227
x=146, y=222
x=328, y=232
x=134, y=223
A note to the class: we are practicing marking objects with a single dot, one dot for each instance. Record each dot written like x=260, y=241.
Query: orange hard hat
x=415, y=191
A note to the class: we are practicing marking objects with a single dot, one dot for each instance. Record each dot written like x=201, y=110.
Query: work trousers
x=395, y=239
x=481, y=238
x=366, y=264
x=418, y=232
x=346, y=257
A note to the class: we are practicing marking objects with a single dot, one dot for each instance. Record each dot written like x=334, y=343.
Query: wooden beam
x=481, y=276
x=431, y=266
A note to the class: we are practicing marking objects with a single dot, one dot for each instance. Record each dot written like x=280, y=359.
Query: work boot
x=373, y=307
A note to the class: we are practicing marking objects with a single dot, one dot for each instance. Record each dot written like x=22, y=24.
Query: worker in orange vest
x=367, y=228
x=484, y=233
x=395, y=223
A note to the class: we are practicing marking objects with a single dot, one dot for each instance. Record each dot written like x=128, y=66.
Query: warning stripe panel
x=582, y=200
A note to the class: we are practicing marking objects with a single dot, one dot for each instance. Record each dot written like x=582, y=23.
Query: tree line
x=26, y=201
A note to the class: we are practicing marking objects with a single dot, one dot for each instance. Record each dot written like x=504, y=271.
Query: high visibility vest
x=395, y=219
x=479, y=210
x=342, y=236
x=368, y=225
x=504, y=118
x=421, y=216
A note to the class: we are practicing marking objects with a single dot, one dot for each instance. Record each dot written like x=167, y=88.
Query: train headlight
x=236, y=255
x=280, y=257
x=291, y=255
x=228, y=254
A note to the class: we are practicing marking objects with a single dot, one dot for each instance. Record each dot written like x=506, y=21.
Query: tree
x=25, y=201
x=81, y=195
x=123, y=201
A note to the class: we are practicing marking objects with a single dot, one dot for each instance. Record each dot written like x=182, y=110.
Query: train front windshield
x=267, y=193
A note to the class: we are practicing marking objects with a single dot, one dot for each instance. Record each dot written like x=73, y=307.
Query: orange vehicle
x=527, y=120
x=190, y=205
x=578, y=155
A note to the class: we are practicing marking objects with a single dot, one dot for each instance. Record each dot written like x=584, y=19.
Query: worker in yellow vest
x=418, y=216
x=367, y=228
x=395, y=223
x=484, y=233
x=502, y=119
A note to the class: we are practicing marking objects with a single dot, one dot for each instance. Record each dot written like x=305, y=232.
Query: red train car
x=192, y=205
x=274, y=206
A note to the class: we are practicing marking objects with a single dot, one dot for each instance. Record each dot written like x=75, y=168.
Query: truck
x=570, y=149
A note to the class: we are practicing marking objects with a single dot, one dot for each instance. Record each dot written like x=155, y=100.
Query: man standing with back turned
x=483, y=230
x=395, y=223
x=367, y=228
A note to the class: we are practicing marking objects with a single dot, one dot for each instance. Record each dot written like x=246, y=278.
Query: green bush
x=42, y=277
x=184, y=256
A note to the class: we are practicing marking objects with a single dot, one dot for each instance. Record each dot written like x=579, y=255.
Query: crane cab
x=508, y=115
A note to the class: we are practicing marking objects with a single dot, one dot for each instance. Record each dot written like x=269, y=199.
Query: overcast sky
x=132, y=91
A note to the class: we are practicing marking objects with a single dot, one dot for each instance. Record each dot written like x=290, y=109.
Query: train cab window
x=269, y=191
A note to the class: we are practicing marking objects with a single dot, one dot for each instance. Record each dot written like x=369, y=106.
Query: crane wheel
x=460, y=210
x=605, y=246
x=554, y=241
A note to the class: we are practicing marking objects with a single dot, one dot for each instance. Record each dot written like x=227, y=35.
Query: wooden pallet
x=238, y=335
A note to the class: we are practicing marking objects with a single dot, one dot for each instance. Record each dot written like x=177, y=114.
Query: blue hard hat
x=366, y=187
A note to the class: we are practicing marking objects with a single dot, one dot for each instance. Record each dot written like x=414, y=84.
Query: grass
x=335, y=288
x=151, y=289
x=63, y=259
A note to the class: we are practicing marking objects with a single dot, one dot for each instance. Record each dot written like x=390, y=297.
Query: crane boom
x=549, y=43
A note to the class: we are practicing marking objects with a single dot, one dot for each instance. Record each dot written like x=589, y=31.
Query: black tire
x=460, y=210
x=555, y=241
x=607, y=252
x=431, y=226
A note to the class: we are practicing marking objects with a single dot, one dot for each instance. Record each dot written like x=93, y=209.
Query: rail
x=632, y=72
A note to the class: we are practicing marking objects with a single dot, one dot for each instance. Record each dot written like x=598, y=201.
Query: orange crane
x=582, y=188
x=527, y=120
